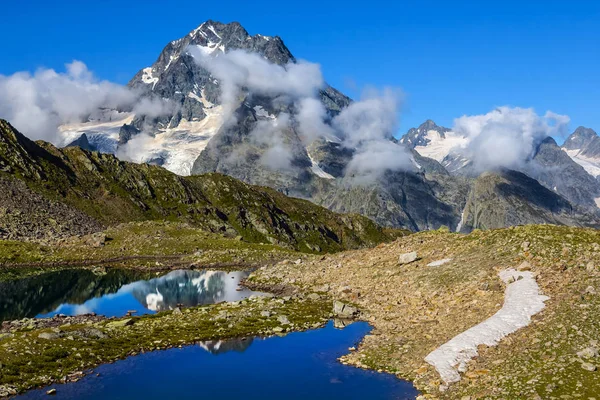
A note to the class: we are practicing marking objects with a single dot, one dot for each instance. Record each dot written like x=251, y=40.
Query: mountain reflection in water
x=114, y=293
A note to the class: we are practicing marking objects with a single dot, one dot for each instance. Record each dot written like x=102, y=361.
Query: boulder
x=343, y=310
x=48, y=335
x=407, y=258
x=588, y=366
x=97, y=239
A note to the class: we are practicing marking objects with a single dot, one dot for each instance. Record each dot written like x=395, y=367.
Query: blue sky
x=450, y=58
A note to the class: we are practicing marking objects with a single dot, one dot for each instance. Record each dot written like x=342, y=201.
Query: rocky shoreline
x=39, y=352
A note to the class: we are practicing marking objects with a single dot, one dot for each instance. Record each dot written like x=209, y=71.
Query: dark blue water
x=114, y=293
x=301, y=365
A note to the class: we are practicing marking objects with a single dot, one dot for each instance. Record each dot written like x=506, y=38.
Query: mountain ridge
x=99, y=187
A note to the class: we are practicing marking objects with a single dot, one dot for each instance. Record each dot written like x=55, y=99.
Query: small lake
x=301, y=365
x=114, y=292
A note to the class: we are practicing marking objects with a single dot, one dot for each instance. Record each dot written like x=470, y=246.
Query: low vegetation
x=37, y=353
x=415, y=308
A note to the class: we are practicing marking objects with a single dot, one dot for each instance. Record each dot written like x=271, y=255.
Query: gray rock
x=314, y=296
x=588, y=352
x=283, y=320
x=48, y=335
x=407, y=258
x=588, y=366
x=265, y=314
x=343, y=310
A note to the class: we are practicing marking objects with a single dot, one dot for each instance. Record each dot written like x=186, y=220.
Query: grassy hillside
x=89, y=186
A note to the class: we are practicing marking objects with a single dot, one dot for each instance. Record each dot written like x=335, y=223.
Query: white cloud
x=507, y=136
x=366, y=126
x=238, y=69
x=37, y=104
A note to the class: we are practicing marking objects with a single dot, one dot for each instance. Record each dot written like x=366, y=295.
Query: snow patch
x=439, y=147
x=148, y=77
x=103, y=132
x=212, y=29
x=171, y=59
x=462, y=219
x=318, y=170
x=415, y=163
x=522, y=299
x=261, y=112
x=194, y=96
x=590, y=164
x=439, y=262
x=179, y=147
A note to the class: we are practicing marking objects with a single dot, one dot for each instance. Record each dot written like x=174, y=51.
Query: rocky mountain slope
x=583, y=146
x=193, y=138
x=558, y=170
x=83, y=191
x=455, y=284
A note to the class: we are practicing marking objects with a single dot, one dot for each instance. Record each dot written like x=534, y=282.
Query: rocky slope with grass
x=60, y=192
x=452, y=284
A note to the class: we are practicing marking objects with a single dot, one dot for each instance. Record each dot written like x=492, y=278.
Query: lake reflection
x=114, y=293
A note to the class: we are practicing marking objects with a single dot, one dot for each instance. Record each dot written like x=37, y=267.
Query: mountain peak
x=420, y=136
x=580, y=138
x=430, y=125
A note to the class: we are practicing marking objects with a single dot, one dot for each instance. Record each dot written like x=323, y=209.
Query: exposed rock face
x=509, y=198
x=585, y=140
x=406, y=199
x=583, y=146
x=553, y=168
x=196, y=95
x=83, y=142
x=421, y=136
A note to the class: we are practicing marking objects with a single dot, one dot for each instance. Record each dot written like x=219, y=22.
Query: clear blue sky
x=451, y=58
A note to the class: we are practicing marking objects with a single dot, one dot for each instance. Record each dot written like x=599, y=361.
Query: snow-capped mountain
x=439, y=187
x=439, y=143
x=175, y=139
x=572, y=177
x=583, y=146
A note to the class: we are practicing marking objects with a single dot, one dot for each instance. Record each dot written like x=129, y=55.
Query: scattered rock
x=590, y=290
x=588, y=366
x=283, y=320
x=177, y=311
x=265, y=314
x=407, y=258
x=588, y=352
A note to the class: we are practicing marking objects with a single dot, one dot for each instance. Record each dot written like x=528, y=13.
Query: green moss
x=29, y=360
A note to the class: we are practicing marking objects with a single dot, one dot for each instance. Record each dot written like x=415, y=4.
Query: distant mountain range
x=556, y=185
